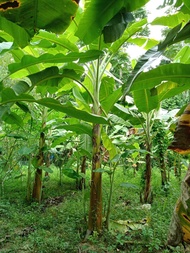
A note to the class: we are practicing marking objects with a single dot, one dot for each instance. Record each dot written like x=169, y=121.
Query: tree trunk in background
x=81, y=183
x=146, y=196
x=179, y=231
x=37, y=188
x=29, y=180
x=147, y=193
x=95, y=211
x=47, y=163
x=164, y=179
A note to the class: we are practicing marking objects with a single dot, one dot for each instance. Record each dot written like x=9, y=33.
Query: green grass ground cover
x=58, y=224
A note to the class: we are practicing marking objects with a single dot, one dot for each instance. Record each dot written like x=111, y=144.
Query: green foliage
x=160, y=139
x=150, y=86
x=65, y=77
x=171, y=20
x=98, y=14
x=28, y=61
x=176, y=102
x=175, y=35
x=33, y=16
x=114, y=29
x=14, y=33
x=50, y=227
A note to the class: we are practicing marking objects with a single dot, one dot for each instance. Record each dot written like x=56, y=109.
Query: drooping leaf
x=144, y=62
x=114, y=29
x=54, y=16
x=175, y=72
x=181, y=142
x=71, y=111
x=98, y=13
x=171, y=20
x=175, y=35
x=48, y=77
x=18, y=34
x=129, y=32
x=60, y=40
x=29, y=61
x=8, y=96
x=152, y=97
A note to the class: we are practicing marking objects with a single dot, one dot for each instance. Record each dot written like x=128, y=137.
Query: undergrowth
x=58, y=224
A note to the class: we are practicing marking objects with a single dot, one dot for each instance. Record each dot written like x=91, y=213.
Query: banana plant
x=167, y=80
x=179, y=231
x=150, y=86
x=21, y=19
x=49, y=62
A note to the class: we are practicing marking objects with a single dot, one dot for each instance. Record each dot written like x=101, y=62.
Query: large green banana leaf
x=175, y=72
x=53, y=16
x=146, y=61
x=9, y=96
x=98, y=14
x=166, y=81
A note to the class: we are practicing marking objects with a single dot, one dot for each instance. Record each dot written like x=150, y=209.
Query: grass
x=58, y=224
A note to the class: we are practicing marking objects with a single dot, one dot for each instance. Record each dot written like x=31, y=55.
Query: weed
x=59, y=225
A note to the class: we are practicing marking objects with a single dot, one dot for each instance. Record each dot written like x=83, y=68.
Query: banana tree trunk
x=146, y=194
x=164, y=178
x=95, y=211
x=179, y=231
x=37, y=188
x=81, y=184
x=29, y=179
x=148, y=173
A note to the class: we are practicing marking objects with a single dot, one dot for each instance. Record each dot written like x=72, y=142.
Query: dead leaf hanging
x=181, y=142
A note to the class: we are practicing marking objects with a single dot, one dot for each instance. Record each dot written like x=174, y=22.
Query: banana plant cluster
x=69, y=72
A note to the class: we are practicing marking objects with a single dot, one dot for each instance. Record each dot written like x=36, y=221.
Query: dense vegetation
x=88, y=135
x=59, y=223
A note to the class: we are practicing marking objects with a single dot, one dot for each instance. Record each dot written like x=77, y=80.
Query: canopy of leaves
x=28, y=17
x=100, y=13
